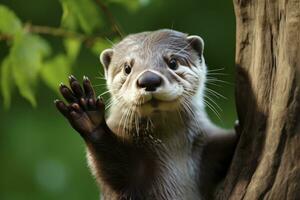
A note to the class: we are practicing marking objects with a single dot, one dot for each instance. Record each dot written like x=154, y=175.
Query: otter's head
x=154, y=72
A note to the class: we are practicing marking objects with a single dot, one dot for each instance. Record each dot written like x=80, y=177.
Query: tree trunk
x=266, y=164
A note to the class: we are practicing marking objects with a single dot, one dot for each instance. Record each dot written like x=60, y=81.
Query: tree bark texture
x=266, y=164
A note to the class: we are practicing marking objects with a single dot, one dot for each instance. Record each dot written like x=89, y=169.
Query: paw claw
x=72, y=78
x=88, y=89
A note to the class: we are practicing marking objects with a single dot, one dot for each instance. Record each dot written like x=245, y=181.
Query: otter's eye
x=127, y=69
x=173, y=64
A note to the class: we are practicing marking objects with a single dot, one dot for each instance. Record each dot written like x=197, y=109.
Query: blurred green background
x=41, y=156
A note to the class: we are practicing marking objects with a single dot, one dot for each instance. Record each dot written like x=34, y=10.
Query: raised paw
x=84, y=111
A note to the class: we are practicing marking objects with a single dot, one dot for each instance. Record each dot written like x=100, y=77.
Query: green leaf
x=6, y=82
x=55, y=71
x=26, y=57
x=68, y=19
x=9, y=22
x=72, y=46
x=85, y=13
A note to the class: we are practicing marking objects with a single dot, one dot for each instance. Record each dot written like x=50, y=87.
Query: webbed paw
x=85, y=112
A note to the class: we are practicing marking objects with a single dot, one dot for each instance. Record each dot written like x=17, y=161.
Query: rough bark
x=266, y=164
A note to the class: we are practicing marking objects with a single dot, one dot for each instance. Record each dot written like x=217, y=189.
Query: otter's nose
x=150, y=81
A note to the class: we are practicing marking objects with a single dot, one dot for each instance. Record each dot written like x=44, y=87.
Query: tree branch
x=116, y=28
x=5, y=37
x=57, y=32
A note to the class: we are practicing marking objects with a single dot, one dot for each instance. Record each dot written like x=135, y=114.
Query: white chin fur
x=151, y=108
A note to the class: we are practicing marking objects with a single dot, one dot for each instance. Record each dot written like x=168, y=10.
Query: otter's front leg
x=116, y=161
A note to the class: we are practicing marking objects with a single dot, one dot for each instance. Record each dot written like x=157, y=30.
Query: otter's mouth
x=155, y=102
x=151, y=104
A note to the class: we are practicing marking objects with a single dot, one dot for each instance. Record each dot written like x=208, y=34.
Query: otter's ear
x=105, y=59
x=196, y=43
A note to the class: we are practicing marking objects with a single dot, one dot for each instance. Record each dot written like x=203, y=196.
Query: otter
x=157, y=141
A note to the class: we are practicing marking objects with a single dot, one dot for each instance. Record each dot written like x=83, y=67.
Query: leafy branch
x=61, y=32
x=30, y=58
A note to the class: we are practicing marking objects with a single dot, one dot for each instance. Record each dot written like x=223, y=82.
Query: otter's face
x=155, y=72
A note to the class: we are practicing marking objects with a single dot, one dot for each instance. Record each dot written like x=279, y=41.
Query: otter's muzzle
x=150, y=81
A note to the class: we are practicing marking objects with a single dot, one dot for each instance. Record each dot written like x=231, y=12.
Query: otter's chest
x=177, y=178
x=162, y=173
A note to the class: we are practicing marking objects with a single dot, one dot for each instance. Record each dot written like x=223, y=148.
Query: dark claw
x=88, y=89
x=72, y=78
